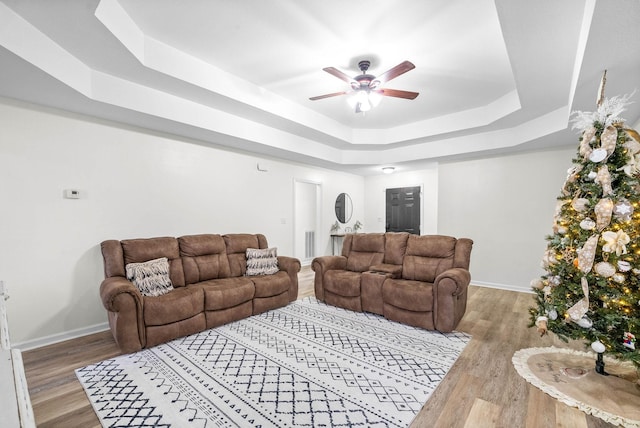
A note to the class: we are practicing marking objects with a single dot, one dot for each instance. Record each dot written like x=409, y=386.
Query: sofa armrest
x=450, y=298
x=112, y=287
x=124, y=305
x=321, y=265
x=292, y=266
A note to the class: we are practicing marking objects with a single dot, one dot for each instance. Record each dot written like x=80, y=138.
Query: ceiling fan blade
x=339, y=74
x=335, y=94
x=396, y=71
x=398, y=93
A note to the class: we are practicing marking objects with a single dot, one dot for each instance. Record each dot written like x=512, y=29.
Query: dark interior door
x=403, y=210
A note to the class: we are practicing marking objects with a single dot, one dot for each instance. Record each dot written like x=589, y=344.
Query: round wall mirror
x=344, y=208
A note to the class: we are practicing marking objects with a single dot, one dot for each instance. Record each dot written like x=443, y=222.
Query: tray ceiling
x=493, y=76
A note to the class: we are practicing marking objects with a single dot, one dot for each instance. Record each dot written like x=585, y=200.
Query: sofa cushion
x=151, y=277
x=395, y=247
x=366, y=250
x=414, y=296
x=428, y=256
x=204, y=257
x=227, y=292
x=142, y=250
x=342, y=282
x=261, y=261
x=271, y=285
x=177, y=305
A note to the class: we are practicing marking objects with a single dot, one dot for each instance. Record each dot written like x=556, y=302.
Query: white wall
x=375, y=187
x=506, y=205
x=133, y=184
x=138, y=184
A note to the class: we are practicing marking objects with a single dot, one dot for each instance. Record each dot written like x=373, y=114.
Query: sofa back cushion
x=237, y=244
x=427, y=256
x=143, y=250
x=395, y=247
x=204, y=257
x=364, y=250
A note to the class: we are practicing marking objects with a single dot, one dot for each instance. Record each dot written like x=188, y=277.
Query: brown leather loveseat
x=209, y=286
x=417, y=280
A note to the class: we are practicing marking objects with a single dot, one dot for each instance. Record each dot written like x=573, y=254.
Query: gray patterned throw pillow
x=262, y=262
x=152, y=277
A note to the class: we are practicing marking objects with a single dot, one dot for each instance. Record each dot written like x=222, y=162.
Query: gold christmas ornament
x=603, y=210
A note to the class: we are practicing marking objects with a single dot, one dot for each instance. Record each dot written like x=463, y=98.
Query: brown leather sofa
x=417, y=280
x=210, y=287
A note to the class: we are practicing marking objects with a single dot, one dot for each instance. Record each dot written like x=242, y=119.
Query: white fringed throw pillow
x=262, y=262
x=152, y=277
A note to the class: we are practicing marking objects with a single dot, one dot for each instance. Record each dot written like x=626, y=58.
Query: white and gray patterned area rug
x=305, y=365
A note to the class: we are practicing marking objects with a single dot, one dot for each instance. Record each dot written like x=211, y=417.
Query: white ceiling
x=493, y=76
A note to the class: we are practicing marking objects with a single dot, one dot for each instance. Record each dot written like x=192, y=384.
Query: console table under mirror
x=344, y=211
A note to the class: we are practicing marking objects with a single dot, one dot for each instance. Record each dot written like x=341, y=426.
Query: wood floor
x=481, y=390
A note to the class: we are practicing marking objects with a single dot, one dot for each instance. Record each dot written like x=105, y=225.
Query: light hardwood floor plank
x=482, y=386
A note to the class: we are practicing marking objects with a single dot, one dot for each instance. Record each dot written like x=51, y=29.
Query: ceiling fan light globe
x=365, y=106
x=362, y=97
x=374, y=98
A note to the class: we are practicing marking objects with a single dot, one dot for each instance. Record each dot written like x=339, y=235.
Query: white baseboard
x=60, y=337
x=502, y=286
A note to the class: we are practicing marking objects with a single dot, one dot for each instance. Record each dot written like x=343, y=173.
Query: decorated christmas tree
x=591, y=286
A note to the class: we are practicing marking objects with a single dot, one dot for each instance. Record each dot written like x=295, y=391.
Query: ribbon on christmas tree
x=577, y=311
x=608, y=139
x=587, y=254
x=604, y=179
x=587, y=136
x=603, y=210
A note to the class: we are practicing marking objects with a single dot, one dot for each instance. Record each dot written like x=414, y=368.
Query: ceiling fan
x=366, y=88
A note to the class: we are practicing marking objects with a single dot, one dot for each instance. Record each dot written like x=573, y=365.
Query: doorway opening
x=306, y=220
x=403, y=211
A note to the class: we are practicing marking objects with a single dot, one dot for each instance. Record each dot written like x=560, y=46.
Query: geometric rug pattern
x=305, y=365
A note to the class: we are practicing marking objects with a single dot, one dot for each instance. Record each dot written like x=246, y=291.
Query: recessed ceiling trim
x=168, y=60
x=26, y=41
x=504, y=138
x=464, y=120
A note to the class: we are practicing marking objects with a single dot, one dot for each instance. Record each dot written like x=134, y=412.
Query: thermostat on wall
x=71, y=193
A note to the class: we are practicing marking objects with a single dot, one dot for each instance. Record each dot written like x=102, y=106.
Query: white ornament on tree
x=598, y=347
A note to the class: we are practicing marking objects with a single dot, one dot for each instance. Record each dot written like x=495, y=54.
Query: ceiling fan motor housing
x=363, y=80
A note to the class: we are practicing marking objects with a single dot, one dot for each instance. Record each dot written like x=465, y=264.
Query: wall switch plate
x=71, y=194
